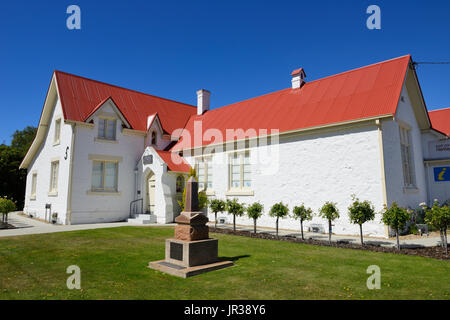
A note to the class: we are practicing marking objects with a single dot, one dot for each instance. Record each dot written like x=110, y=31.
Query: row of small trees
x=359, y=212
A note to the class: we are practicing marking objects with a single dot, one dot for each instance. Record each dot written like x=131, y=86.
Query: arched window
x=154, y=138
x=180, y=184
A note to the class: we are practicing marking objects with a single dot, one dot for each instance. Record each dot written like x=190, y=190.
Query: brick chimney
x=298, y=78
x=202, y=101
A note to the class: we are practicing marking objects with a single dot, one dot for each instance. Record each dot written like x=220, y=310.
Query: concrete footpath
x=25, y=226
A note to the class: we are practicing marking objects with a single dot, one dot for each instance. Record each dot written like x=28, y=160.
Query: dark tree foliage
x=13, y=179
x=21, y=140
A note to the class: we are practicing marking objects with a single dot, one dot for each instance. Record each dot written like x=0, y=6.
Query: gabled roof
x=440, y=120
x=367, y=92
x=81, y=96
x=116, y=109
x=174, y=162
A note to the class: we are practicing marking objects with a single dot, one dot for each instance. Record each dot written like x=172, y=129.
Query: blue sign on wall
x=441, y=174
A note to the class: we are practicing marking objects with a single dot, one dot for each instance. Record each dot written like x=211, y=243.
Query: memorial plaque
x=176, y=251
x=148, y=159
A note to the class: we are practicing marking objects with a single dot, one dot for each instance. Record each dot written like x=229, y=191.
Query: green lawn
x=114, y=263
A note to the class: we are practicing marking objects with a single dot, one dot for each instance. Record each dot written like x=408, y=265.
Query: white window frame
x=54, y=174
x=104, y=135
x=407, y=156
x=206, y=161
x=57, y=135
x=242, y=189
x=33, y=186
x=103, y=188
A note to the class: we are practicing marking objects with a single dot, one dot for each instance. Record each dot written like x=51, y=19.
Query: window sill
x=105, y=140
x=56, y=143
x=33, y=197
x=53, y=194
x=409, y=190
x=103, y=193
x=210, y=192
x=240, y=192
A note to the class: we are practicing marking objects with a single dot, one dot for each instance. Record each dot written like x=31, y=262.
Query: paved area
x=406, y=243
x=27, y=226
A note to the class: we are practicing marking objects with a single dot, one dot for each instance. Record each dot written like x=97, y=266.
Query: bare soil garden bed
x=429, y=252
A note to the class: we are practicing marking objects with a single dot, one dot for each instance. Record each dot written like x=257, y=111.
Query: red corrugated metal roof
x=365, y=92
x=174, y=161
x=440, y=120
x=81, y=96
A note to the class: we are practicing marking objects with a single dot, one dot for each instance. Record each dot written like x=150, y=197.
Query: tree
x=22, y=140
x=6, y=206
x=13, y=179
x=202, y=198
x=330, y=212
x=439, y=217
x=216, y=206
x=279, y=210
x=255, y=212
x=360, y=212
x=236, y=209
x=303, y=214
x=396, y=218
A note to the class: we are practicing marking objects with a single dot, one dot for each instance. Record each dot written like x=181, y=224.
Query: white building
x=103, y=152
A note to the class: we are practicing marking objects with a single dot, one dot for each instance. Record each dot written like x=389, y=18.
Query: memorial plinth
x=191, y=251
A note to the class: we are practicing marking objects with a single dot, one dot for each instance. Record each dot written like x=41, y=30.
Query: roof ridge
x=359, y=68
x=442, y=109
x=116, y=86
x=231, y=104
x=330, y=76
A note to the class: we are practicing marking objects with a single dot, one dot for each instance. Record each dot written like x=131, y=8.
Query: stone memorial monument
x=191, y=251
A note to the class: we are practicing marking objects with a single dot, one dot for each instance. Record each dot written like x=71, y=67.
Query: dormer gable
x=108, y=109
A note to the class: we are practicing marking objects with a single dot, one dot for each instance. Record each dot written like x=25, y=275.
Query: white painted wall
x=314, y=168
x=41, y=165
x=392, y=158
x=103, y=208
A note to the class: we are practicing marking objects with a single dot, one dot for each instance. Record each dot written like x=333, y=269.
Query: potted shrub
x=279, y=210
x=303, y=214
x=216, y=206
x=439, y=217
x=6, y=206
x=360, y=212
x=396, y=218
x=255, y=212
x=236, y=209
x=330, y=212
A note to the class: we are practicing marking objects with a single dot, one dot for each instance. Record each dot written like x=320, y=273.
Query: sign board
x=439, y=149
x=441, y=174
x=148, y=159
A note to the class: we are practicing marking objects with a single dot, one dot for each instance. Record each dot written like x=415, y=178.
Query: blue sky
x=235, y=49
